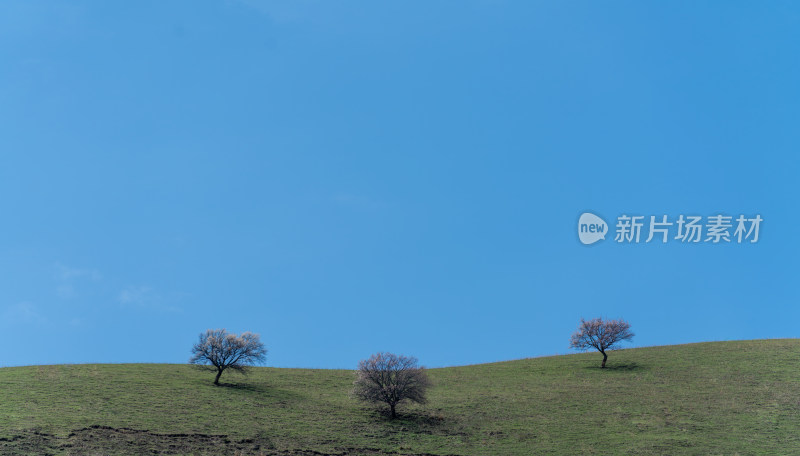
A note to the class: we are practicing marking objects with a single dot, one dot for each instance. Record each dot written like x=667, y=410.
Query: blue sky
x=349, y=177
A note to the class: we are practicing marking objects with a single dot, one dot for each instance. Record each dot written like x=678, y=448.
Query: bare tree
x=601, y=335
x=389, y=378
x=219, y=350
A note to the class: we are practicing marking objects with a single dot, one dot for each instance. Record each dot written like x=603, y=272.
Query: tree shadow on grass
x=619, y=367
x=244, y=386
x=419, y=422
x=417, y=418
x=259, y=389
x=247, y=386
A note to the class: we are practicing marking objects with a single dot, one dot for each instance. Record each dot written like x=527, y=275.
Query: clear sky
x=349, y=177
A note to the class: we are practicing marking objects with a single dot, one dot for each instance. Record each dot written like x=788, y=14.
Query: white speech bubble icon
x=591, y=228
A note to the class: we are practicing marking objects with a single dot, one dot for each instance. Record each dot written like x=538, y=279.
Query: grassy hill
x=708, y=398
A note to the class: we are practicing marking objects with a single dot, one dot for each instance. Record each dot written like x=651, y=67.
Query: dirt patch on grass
x=101, y=440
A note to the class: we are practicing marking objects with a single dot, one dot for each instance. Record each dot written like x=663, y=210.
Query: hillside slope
x=709, y=398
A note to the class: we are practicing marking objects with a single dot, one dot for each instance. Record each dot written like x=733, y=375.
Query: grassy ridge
x=710, y=398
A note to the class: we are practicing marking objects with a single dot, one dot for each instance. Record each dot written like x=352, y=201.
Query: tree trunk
x=219, y=372
x=605, y=357
x=394, y=414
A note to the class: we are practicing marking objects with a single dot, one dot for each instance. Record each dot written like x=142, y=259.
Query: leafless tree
x=601, y=335
x=389, y=378
x=219, y=350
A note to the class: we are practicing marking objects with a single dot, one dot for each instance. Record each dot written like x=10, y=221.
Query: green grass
x=709, y=398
